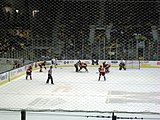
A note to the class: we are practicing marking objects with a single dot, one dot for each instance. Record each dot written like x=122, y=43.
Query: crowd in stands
x=13, y=35
x=75, y=20
x=12, y=41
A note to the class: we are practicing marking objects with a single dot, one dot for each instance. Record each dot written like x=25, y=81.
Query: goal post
x=132, y=64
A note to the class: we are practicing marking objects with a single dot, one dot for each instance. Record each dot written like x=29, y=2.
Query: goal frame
x=133, y=64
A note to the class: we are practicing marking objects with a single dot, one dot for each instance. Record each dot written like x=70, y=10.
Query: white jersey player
x=122, y=65
x=54, y=62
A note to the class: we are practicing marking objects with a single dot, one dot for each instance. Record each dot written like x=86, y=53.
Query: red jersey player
x=106, y=66
x=83, y=65
x=29, y=72
x=101, y=72
x=42, y=64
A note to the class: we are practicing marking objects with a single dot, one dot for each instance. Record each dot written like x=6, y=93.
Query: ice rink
x=132, y=90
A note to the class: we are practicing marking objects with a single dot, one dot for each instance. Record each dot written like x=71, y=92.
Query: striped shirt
x=50, y=71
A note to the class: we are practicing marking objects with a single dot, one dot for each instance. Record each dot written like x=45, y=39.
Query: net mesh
x=133, y=64
x=98, y=30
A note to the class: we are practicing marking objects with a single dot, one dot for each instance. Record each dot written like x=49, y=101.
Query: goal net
x=133, y=64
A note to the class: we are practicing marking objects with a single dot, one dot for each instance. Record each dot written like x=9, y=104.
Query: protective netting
x=32, y=31
x=80, y=29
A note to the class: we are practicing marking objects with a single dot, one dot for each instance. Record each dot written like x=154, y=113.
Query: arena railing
x=76, y=114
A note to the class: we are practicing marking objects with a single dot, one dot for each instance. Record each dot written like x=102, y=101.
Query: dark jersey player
x=77, y=65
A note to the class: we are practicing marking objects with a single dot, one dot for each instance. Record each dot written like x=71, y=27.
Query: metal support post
x=114, y=117
x=23, y=115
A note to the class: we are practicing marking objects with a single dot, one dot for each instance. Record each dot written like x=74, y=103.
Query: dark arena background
x=59, y=33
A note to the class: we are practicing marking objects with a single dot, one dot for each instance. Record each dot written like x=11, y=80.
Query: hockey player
x=44, y=64
x=83, y=65
x=101, y=72
x=41, y=64
x=76, y=65
x=54, y=62
x=29, y=72
x=122, y=65
x=106, y=66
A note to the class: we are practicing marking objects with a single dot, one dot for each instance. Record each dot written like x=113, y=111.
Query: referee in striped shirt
x=50, y=76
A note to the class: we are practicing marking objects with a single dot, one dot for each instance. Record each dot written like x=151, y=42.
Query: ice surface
x=130, y=91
